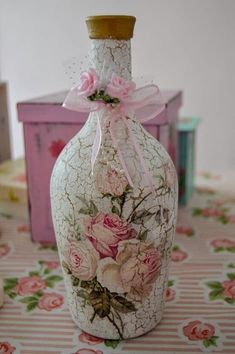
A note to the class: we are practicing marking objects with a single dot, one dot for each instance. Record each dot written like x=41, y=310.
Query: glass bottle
x=114, y=237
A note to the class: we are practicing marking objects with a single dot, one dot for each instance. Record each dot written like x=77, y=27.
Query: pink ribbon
x=142, y=104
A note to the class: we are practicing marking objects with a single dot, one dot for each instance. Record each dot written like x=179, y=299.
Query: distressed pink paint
x=46, y=121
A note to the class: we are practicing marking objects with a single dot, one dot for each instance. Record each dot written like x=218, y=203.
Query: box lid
x=48, y=109
x=188, y=123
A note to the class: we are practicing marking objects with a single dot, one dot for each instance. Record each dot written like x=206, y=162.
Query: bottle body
x=114, y=239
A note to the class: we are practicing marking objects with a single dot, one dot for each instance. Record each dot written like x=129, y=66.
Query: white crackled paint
x=151, y=220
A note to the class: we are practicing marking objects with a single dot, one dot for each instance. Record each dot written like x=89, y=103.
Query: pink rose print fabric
x=4, y=249
x=199, y=294
x=201, y=333
x=6, y=348
x=89, y=339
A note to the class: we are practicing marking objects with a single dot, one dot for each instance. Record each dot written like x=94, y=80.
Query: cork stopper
x=110, y=27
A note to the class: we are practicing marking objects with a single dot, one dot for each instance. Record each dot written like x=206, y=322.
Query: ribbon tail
x=96, y=144
x=120, y=156
x=147, y=174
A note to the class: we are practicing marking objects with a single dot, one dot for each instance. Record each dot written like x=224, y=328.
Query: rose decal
x=137, y=265
x=105, y=232
x=109, y=181
x=82, y=259
x=111, y=265
x=170, y=292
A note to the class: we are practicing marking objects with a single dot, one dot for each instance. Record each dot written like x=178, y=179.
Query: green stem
x=115, y=325
x=137, y=205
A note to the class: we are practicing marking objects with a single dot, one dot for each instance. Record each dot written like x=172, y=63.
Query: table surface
x=200, y=307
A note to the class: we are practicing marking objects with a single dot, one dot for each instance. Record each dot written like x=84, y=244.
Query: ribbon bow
x=124, y=101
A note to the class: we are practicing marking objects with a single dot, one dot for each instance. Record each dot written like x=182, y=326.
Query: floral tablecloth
x=200, y=299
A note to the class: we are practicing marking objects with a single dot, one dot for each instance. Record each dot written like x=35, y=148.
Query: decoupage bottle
x=114, y=195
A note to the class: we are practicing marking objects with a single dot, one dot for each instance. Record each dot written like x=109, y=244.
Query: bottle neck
x=110, y=55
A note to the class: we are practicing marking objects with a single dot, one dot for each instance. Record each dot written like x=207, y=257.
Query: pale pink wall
x=186, y=44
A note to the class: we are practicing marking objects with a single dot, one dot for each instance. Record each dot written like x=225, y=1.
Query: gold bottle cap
x=110, y=26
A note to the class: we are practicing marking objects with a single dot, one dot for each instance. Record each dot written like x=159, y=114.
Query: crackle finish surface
x=114, y=240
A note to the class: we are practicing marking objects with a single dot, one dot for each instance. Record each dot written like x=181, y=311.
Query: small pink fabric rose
x=89, y=339
x=56, y=147
x=50, y=301
x=51, y=264
x=4, y=249
x=105, y=232
x=222, y=243
x=178, y=255
x=197, y=330
x=82, y=259
x=229, y=288
x=6, y=348
x=170, y=294
x=29, y=285
x=108, y=180
x=136, y=267
x=89, y=83
x=88, y=351
x=120, y=88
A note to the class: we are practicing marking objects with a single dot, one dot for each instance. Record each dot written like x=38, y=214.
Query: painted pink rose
x=212, y=212
x=178, y=255
x=4, y=249
x=222, y=243
x=120, y=88
x=185, y=230
x=56, y=147
x=88, y=351
x=82, y=259
x=197, y=330
x=109, y=181
x=89, y=339
x=136, y=267
x=229, y=288
x=29, y=285
x=89, y=83
x=51, y=264
x=105, y=232
x=170, y=294
x=6, y=348
x=50, y=301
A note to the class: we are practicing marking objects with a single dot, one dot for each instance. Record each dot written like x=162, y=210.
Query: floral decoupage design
x=33, y=291
x=111, y=265
x=222, y=290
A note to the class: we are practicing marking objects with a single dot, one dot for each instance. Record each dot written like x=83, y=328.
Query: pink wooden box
x=48, y=127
